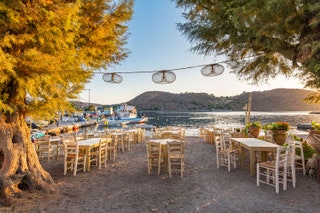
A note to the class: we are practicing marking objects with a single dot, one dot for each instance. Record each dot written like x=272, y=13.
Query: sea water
x=192, y=121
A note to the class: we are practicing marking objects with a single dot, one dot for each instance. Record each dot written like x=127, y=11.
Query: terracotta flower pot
x=313, y=140
x=279, y=136
x=254, y=131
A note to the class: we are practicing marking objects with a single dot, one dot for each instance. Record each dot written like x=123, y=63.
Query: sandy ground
x=125, y=186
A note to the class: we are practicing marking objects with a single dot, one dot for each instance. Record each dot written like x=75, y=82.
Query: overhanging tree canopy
x=261, y=38
x=48, y=51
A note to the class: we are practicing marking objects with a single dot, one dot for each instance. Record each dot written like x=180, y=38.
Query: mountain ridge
x=270, y=100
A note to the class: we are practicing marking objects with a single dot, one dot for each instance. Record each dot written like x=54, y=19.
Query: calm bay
x=225, y=119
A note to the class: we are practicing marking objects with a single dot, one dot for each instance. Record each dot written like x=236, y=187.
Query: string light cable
x=164, y=76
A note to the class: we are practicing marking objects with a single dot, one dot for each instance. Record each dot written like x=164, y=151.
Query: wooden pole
x=248, y=109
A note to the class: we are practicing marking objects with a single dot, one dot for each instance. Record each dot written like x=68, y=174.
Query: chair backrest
x=153, y=149
x=103, y=144
x=165, y=135
x=218, y=131
x=57, y=137
x=281, y=156
x=129, y=136
x=226, y=141
x=218, y=143
x=237, y=134
x=68, y=138
x=175, y=148
x=44, y=138
x=268, y=136
x=71, y=148
x=298, y=147
x=297, y=153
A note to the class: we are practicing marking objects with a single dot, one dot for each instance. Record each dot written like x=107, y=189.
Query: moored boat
x=123, y=115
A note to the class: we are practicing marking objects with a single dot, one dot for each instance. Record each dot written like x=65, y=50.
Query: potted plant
x=314, y=136
x=315, y=126
x=308, y=151
x=279, y=131
x=253, y=129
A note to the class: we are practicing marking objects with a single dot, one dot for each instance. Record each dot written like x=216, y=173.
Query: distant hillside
x=271, y=100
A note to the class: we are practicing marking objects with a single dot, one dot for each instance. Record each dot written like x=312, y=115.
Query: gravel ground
x=125, y=186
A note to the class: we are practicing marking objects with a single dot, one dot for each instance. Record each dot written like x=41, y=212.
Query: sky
x=156, y=44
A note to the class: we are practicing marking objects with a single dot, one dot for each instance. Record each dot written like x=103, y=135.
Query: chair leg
x=99, y=161
x=258, y=174
x=181, y=167
x=65, y=167
x=303, y=167
x=75, y=167
x=285, y=178
x=149, y=166
x=229, y=163
x=159, y=165
x=169, y=168
x=277, y=181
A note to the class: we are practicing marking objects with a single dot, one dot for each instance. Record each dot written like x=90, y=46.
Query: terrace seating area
x=166, y=152
x=272, y=164
x=84, y=150
x=202, y=183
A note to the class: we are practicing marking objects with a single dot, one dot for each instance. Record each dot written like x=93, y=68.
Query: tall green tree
x=261, y=39
x=48, y=51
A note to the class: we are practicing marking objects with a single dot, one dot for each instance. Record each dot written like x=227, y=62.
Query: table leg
x=252, y=162
x=88, y=158
x=165, y=157
x=57, y=150
x=242, y=152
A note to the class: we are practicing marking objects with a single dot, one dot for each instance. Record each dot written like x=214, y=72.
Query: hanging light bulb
x=112, y=78
x=212, y=70
x=163, y=77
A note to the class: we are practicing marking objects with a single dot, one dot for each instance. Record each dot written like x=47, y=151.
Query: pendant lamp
x=112, y=78
x=163, y=77
x=212, y=70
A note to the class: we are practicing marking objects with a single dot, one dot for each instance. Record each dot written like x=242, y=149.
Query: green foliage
x=308, y=151
x=262, y=39
x=256, y=124
x=49, y=50
x=278, y=126
x=315, y=125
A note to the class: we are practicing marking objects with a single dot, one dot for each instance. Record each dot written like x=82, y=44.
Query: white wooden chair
x=274, y=172
x=299, y=156
x=291, y=165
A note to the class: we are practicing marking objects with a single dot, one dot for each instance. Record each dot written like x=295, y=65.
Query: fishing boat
x=123, y=115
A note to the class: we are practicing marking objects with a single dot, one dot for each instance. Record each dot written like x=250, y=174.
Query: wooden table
x=253, y=145
x=87, y=145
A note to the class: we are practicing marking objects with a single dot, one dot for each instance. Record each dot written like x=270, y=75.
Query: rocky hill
x=271, y=100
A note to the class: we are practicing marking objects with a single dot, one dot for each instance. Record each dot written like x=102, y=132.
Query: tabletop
x=255, y=143
x=89, y=142
x=163, y=141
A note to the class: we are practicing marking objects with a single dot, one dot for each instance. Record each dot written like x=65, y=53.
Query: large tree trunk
x=20, y=169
